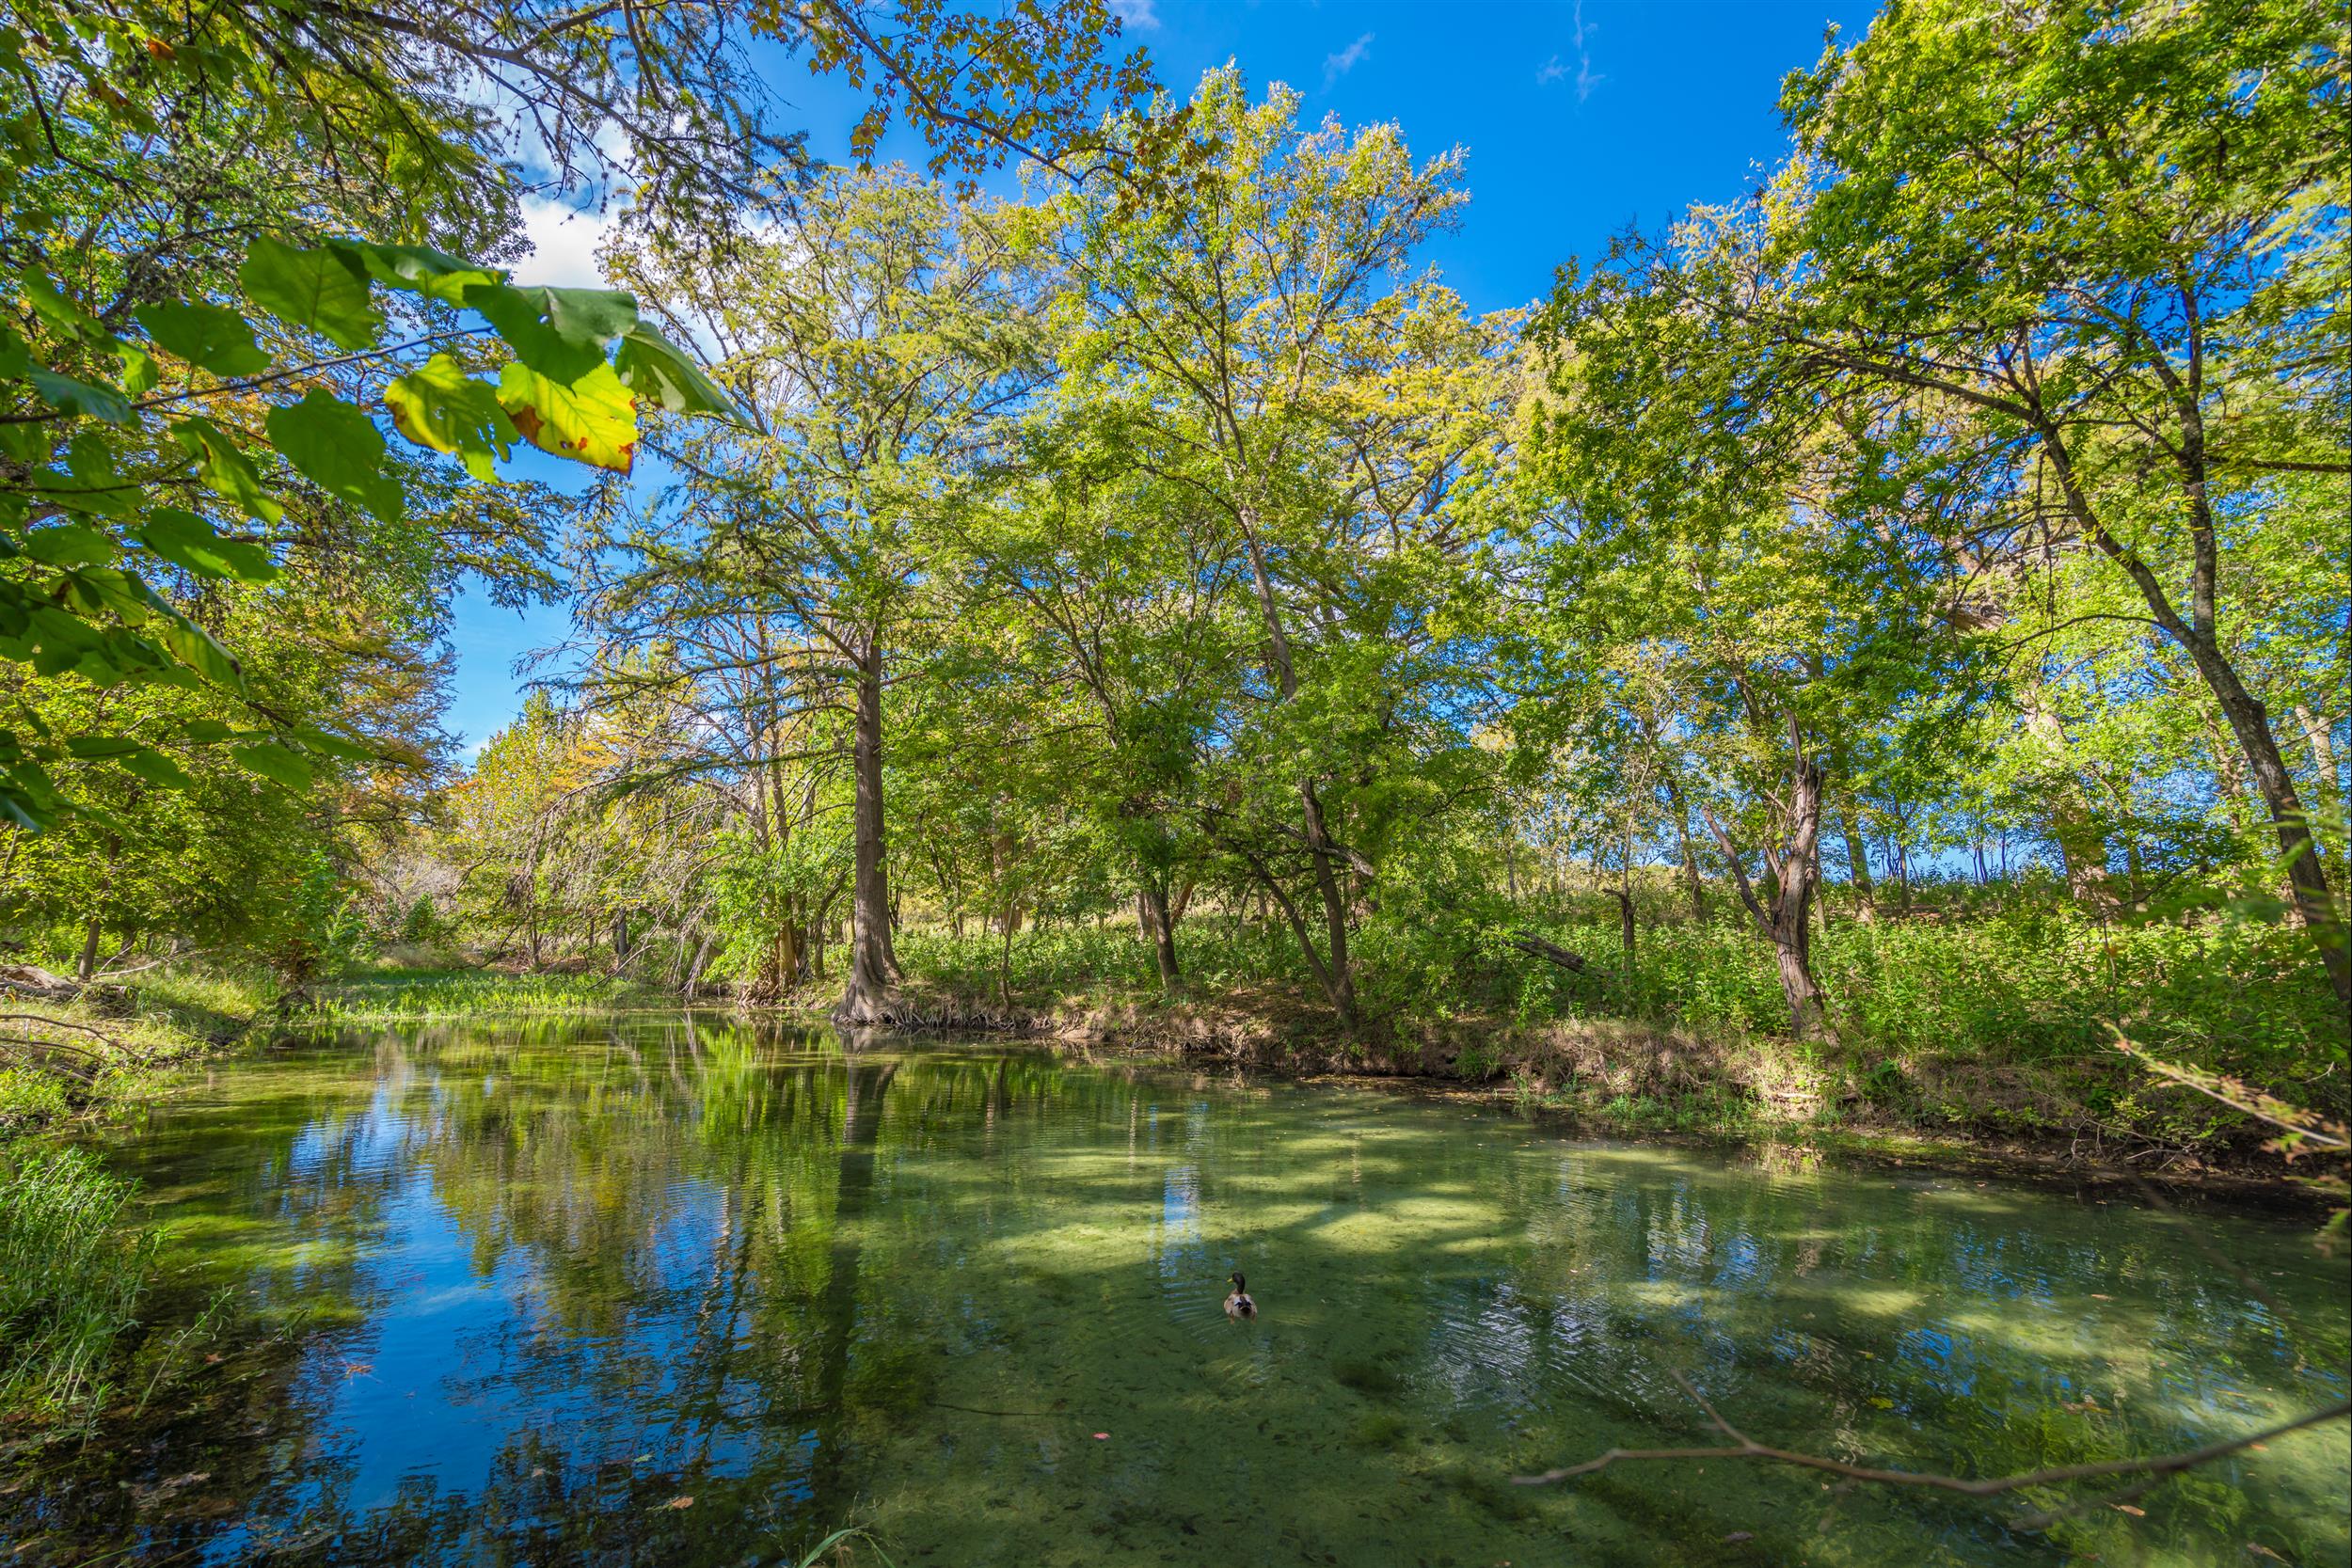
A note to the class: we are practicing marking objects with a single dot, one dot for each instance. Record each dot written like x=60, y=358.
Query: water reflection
x=689, y=1293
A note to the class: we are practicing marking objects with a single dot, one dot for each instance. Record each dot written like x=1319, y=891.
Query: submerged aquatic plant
x=70, y=1278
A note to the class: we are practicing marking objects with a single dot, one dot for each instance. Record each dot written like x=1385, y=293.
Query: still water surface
x=677, y=1291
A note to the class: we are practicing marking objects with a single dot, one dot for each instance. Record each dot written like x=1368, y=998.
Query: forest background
x=1858, y=653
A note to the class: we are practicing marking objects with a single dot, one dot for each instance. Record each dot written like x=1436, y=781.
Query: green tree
x=1259, y=336
x=874, y=349
x=2113, y=237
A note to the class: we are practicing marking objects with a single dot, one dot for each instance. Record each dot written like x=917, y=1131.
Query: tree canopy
x=1165, y=537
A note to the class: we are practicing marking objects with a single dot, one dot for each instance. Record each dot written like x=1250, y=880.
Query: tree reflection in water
x=698, y=1291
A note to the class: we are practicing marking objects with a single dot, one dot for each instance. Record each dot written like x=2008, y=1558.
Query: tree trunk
x=2306, y=875
x=1624, y=930
x=2200, y=634
x=866, y=996
x=1162, y=926
x=702, y=961
x=1341, y=982
x=1858, y=866
x=2329, y=795
x=1691, y=881
x=1341, y=995
x=86, y=969
x=1795, y=868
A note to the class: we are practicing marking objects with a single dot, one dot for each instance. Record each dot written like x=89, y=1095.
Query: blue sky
x=1577, y=119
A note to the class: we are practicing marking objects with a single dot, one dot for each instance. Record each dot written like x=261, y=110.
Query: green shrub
x=70, y=1278
x=29, y=1097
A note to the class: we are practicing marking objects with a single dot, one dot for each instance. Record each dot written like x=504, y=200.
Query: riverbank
x=82, y=1268
x=71, y=1053
x=2088, y=1118
x=1974, y=1106
x=74, y=1266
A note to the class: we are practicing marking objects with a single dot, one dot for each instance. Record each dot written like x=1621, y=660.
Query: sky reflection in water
x=684, y=1293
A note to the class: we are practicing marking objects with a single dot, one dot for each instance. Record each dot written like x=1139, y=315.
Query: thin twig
x=2293, y=1120
x=60, y=1023
x=2156, y=1466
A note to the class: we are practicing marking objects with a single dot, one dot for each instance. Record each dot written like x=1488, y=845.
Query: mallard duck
x=1238, y=1305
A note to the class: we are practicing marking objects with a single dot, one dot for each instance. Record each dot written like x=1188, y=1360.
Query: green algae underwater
x=685, y=1290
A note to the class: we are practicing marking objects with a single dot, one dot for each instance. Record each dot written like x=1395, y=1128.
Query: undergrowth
x=74, y=1266
x=460, y=992
x=71, y=1277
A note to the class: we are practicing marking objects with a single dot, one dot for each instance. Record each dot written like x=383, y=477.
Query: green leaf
x=338, y=449
x=593, y=421
x=205, y=335
x=322, y=288
x=328, y=744
x=188, y=542
x=69, y=396
x=207, y=732
x=20, y=807
x=653, y=367
x=69, y=544
x=139, y=374
x=135, y=756
x=157, y=769
x=65, y=315
x=421, y=269
x=274, y=763
x=193, y=647
x=438, y=406
x=228, y=470
x=112, y=590
x=560, y=333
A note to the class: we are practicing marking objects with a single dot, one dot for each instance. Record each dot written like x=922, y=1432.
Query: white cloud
x=1138, y=16
x=1585, y=78
x=1339, y=65
x=1556, y=69
x=563, y=241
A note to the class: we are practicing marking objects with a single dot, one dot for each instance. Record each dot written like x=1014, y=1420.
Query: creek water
x=681, y=1291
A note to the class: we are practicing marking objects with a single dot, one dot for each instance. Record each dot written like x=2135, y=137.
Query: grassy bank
x=1996, y=1027
x=73, y=1272
x=1991, y=1027
x=388, y=991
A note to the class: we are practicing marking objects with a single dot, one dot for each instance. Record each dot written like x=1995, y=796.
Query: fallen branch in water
x=2298, y=1125
x=2156, y=1467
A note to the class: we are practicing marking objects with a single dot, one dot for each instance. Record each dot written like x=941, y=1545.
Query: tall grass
x=70, y=1279
x=2026, y=985
x=445, y=994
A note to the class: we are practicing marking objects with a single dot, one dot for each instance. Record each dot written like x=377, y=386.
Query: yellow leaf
x=438, y=406
x=591, y=420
